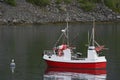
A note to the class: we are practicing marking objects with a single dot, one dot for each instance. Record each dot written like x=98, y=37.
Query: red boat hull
x=97, y=65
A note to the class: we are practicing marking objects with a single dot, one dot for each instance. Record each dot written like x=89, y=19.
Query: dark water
x=25, y=43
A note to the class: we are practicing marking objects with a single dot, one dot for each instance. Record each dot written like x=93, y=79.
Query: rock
x=14, y=21
x=118, y=16
x=27, y=13
x=1, y=0
x=0, y=13
x=62, y=7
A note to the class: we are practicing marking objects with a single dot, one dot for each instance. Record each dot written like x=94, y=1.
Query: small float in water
x=12, y=65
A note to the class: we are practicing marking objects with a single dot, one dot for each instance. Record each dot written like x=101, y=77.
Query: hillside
x=26, y=13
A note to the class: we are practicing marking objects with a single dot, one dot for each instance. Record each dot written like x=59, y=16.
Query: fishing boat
x=74, y=74
x=62, y=55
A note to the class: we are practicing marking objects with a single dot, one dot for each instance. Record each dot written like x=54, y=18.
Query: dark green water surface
x=25, y=43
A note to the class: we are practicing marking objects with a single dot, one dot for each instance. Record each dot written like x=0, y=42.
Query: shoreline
x=26, y=13
x=82, y=22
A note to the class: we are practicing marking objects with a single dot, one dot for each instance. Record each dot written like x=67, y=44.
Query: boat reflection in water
x=74, y=74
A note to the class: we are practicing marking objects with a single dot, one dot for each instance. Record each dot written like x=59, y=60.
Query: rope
x=58, y=40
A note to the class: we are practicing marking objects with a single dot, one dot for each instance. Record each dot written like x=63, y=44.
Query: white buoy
x=12, y=65
x=63, y=30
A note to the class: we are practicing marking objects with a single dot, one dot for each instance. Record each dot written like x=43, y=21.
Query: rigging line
x=65, y=33
x=74, y=39
x=58, y=39
x=64, y=39
x=96, y=43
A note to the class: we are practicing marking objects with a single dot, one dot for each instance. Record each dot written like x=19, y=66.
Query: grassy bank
x=41, y=3
x=86, y=5
x=113, y=4
x=11, y=2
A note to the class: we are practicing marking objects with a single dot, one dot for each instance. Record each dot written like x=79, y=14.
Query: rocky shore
x=26, y=13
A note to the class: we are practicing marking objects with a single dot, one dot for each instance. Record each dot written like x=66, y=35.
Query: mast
x=88, y=39
x=93, y=32
x=67, y=31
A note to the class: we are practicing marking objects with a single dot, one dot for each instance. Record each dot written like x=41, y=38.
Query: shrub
x=96, y=1
x=92, y=1
x=86, y=5
x=58, y=1
x=81, y=1
x=39, y=2
x=67, y=1
x=113, y=4
x=11, y=2
x=30, y=1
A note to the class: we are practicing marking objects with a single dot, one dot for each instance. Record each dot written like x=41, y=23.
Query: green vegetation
x=95, y=1
x=113, y=4
x=11, y=2
x=87, y=5
x=58, y=1
x=39, y=2
x=65, y=1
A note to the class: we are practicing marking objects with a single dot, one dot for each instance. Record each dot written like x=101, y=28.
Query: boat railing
x=48, y=52
x=77, y=56
x=74, y=58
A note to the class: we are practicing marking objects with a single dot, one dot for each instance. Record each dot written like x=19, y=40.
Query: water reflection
x=74, y=74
